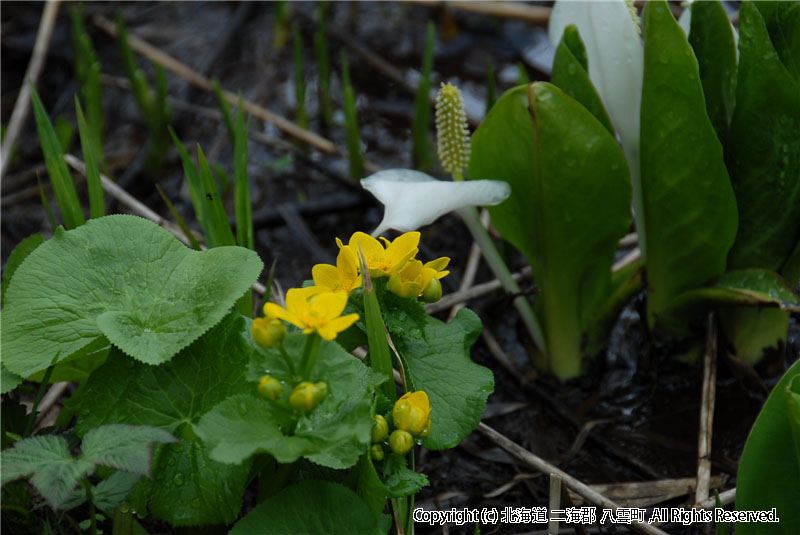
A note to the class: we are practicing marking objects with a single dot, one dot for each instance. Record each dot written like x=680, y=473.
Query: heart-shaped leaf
x=120, y=277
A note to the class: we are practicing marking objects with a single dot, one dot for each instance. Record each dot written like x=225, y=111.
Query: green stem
x=309, y=355
x=288, y=359
x=39, y=395
x=500, y=270
x=92, y=511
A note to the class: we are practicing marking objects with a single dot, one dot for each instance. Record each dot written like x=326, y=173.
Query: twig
x=627, y=260
x=554, y=503
x=22, y=105
x=476, y=291
x=140, y=209
x=168, y=62
x=537, y=463
x=52, y=395
x=500, y=355
x=512, y=10
x=707, y=412
x=725, y=498
x=472, y=267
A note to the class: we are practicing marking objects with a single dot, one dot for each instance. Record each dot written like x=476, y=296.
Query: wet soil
x=638, y=406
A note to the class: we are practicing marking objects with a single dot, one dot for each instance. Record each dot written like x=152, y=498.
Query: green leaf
x=47, y=457
x=689, y=206
x=783, y=23
x=770, y=468
x=751, y=331
x=335, y=434
x=189, y=488
x=764, y=150
x=107, y=494
x=569, y=205
x=570, y=74
x=711, y=37
x=124, y=278
x=400, y=480
x=56, y=472
x=370, y=488
x=124, y=447
x=438, y=362
x=744, y=287
x=63, y=187
x=20, y=253
x=8, y=381
x=793, y=412
x=310, y=507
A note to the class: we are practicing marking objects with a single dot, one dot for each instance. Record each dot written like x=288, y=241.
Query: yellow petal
x=326, y=276
x=373, y=250
x=342, y=323
x=330, y=304
x=439, y=264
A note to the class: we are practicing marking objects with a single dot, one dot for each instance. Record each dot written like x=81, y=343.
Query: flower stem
x=309, y=355
x=92, y=511
x=500, y=270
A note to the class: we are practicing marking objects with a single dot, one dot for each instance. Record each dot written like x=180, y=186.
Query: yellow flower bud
x=401, y=441
x=268, y=333
x=270, y=388
x=411, y=412
x=377, y=452
x=380, y=429
x=307, y=395
x=425, y=430
x=433, y=291
x=408, y=289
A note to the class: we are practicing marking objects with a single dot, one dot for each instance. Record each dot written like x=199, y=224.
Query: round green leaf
x=124, y=278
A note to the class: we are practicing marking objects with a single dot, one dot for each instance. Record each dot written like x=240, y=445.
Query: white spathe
x=413, y=199
x=616, y=67
x=615, y=55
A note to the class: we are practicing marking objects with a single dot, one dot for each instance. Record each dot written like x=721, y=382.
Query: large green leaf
x=569, y=205
x=570, y=75
x=764, y=150
x=769, y=471
x=690, y=209
x=437, y=361
x=335, y=434
x=123, y=278
x=746, y=287
x=189, y=488
x=711, y=37
x=793, y=412
x=310, y=507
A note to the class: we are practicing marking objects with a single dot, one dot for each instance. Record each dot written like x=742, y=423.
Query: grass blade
x=522, y=74
x=422, y=155
x=97, y=207
x=380, y=356
x=87, y=70
x=219, y=230
x=241, y=184
x=225, y=107
x=193, y=181
x=491, y=92
x=63, y=187
x=141, y=91
x=179, y=219
x=351, y=123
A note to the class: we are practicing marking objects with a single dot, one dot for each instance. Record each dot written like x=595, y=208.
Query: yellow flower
x=314, y=309
x=343, y=276
x=412, y=412
x=413, y=279
x=383, y=261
